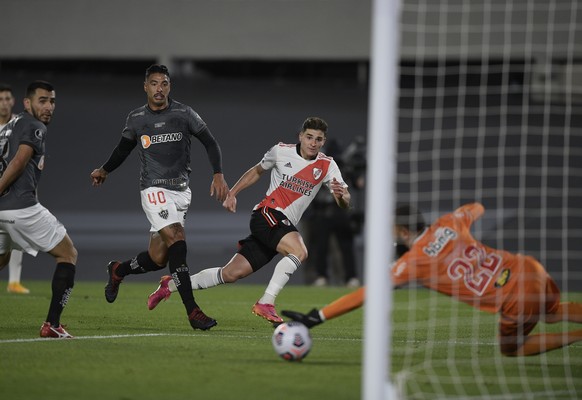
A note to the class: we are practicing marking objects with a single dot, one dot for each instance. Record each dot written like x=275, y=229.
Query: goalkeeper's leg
x=543, y=342
x=571, y=312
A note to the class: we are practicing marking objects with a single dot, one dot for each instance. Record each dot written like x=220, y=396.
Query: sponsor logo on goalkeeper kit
x=442, y=237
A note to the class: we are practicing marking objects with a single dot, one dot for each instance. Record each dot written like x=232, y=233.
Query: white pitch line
x=88, y=337
x=461, y=342
x=31, y=340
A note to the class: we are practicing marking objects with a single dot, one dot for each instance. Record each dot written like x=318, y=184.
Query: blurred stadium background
x=253, y=70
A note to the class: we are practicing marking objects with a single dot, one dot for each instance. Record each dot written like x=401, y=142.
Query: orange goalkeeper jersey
x=446, y=258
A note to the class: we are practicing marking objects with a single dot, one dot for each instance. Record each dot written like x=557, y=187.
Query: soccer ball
x=292, y=341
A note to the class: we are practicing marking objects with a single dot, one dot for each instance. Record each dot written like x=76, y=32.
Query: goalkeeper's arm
x=341, y=306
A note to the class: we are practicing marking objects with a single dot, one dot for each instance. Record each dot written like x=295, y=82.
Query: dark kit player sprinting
x=162, y=131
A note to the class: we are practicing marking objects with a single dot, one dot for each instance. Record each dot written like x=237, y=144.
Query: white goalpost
x=472, y=102
x=379, y=197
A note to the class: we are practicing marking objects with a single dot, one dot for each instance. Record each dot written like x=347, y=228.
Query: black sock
x=181, y=274
x=124, y=269
x=140, y=264
x=62, y=285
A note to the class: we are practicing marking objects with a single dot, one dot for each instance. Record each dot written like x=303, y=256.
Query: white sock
x=207, y=278
x=15, y=266
x=172, y=286
x=283, y=271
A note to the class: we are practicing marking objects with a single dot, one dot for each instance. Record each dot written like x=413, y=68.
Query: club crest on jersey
x=38, y=134
x=286, y=222
x=164, y=214
x=317, y=173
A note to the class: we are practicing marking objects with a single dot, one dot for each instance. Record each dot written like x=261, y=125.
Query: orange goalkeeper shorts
x=535, y=294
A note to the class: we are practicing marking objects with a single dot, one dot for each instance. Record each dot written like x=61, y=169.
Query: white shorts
x=165, y=207
x=30, y=229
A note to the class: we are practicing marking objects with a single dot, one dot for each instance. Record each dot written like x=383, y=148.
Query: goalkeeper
x=445, y=257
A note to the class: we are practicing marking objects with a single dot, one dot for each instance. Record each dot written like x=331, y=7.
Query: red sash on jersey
x=283, y=197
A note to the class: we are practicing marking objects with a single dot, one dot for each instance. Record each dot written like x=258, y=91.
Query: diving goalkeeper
x=445, y=257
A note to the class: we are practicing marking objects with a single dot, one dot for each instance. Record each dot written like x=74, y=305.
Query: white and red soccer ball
x=292, y=341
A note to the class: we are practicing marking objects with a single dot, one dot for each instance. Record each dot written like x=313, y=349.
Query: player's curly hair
x=314, y=123
x=157, y=69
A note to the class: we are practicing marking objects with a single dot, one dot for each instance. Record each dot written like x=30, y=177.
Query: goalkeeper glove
x=309, y=320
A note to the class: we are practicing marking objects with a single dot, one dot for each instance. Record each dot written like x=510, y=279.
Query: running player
x=24, y=223
x=162, y=130
x=445, y=257
x=297, y=173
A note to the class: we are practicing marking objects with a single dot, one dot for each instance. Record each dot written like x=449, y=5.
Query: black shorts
x=268, y=226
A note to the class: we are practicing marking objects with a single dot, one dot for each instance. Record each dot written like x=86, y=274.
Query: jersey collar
x=170, y=101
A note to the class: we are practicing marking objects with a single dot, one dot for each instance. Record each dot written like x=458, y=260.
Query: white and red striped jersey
x=294, y=180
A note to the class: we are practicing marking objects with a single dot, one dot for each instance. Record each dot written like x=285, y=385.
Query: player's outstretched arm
x=117, y=157
x=249, y=178
x=340, y=306
x=310, y=319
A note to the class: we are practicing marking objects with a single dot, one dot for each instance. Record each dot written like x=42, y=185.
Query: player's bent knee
x=301, y=253
x=74, y=255
x=69, y=256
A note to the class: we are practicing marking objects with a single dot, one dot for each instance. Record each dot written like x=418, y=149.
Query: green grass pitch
x=124, y=351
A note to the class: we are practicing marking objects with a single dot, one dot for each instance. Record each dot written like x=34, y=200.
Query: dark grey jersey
x=163, y=141
x=23, y=129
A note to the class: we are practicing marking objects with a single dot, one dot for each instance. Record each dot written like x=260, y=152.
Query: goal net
x=491, y=112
